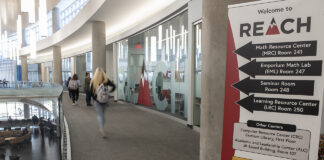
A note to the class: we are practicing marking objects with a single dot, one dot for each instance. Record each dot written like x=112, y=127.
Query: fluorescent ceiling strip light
x=153, y=49
x=160, y=37
x=146, y=50
x=5, y=16
x=185, y=41
x=119, y=51
x=182, y=36
x=174, y=42
x=122, y=51
x=171, y=35
x=178, y=53
x=199, y=40
x=167, y=44
x=197, y=37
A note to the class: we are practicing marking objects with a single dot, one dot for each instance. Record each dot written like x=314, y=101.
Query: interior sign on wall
x=274, y=81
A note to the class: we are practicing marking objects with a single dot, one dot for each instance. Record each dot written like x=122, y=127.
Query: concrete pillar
x=47, y=78
x=24, y=24
x=39, y=72
x=72, y=65
x=24, y=68
x=80, y=69
x=43, y=74
x=40, y=112
x=98, y=45
x=115, y=71
x=55, y=110
x=55, y=19
x=26, y=111
x=57, y=65
x=214, y=44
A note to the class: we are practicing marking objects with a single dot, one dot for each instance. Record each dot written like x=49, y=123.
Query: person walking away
x=41, y=127
x=67, y=85
x=74, y=85
x=87, y=81
x=5, y=83
x=100, y=94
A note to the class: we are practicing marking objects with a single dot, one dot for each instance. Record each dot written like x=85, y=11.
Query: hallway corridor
x=133, y=134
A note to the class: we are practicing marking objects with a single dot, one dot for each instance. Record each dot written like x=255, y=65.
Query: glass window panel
x=19, y=111
x=152, y=67
x=3, y=111
x=7, y=69
x=197, y=81
x=11, y=108
x=122, y=90
x=34, y=111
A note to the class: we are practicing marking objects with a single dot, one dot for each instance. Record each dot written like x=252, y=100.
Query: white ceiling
x=119, y=16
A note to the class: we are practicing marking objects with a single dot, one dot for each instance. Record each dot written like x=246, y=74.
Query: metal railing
x=14, y=90
x=34, y=93
x=23, y=85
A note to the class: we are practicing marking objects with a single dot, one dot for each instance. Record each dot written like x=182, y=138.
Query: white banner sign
x=278, y=50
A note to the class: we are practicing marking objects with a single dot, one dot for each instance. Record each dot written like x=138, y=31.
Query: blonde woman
x=98, y=82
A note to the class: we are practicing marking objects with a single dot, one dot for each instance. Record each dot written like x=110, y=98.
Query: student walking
x=100, y=93
x=74, y=85
x=87, y=81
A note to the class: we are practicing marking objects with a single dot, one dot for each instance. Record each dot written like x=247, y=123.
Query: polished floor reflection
x=39, y=148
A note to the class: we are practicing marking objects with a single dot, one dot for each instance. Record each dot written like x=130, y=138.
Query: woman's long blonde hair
x=98, y=78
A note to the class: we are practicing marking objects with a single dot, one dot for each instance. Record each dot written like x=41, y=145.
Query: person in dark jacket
x=87, y=81
x=74, y=85
x=67, y=85
x=98, y=79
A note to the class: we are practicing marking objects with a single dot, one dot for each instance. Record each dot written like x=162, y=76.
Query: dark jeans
x=70, y=93
x=75, y=95
x=88, y=97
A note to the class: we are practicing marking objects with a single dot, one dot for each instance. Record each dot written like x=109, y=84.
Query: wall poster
x=274, y=81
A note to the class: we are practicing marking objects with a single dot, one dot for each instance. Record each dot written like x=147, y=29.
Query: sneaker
x=102, y=132
x=73, y=104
